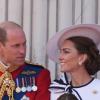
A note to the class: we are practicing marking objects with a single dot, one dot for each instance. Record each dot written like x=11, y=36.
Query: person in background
x=19, y=80
x=76, y=48
x=67, y=96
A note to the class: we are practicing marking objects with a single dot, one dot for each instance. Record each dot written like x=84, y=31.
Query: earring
x=80, y=63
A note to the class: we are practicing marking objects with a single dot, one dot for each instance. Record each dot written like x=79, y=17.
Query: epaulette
x=34, y=64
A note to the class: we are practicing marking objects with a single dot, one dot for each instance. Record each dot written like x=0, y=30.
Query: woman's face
x=69, y=57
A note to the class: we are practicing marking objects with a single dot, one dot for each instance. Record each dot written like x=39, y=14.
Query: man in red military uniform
x=19, y=80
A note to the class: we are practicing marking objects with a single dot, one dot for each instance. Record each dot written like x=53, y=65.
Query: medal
x=18, y=89
x=28, y=84
x=23, y=89
x=34, y=88
x=29, y=88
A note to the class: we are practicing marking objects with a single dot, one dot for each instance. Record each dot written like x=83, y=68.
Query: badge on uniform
x=26, y=83
x=25, y=98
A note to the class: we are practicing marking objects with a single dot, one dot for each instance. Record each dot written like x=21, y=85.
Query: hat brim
x=91, y=31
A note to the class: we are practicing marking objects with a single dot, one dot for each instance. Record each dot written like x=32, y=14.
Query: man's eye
x=17, y=45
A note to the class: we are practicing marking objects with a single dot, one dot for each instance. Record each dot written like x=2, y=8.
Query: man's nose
x=22, y=49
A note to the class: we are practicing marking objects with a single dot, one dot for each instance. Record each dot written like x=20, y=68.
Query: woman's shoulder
x=97, y=81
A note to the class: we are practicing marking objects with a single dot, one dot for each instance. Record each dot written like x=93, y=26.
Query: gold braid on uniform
x=7, y=85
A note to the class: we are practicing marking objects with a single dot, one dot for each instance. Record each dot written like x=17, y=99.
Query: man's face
x=14, y=50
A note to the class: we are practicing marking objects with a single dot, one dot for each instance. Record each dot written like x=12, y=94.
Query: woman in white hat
x=76, y=48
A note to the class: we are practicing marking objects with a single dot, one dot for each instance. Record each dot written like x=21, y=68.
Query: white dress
x=89, y=91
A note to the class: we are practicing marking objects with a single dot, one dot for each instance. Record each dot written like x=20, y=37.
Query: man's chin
x=19, y=63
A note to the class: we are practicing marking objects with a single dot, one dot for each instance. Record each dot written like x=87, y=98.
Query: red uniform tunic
x=42, y=81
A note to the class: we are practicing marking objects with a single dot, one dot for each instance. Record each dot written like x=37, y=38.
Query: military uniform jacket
x=32, y=82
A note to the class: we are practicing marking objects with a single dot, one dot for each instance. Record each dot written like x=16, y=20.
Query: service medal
x=29, y=88
x=34, y=88
x=18, y=89
x=23, y=89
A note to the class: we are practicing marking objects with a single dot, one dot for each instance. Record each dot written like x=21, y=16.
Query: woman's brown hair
x=85, y=45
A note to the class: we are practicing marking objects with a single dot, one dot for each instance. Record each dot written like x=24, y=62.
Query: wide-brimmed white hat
x=91, y=31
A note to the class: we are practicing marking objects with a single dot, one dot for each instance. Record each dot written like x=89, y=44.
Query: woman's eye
x=65, y=51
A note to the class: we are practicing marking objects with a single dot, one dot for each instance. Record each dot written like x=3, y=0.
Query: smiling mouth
x=62, y=63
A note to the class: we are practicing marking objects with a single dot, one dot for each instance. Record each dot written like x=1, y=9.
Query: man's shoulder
x=31, y=69
x=38, y=66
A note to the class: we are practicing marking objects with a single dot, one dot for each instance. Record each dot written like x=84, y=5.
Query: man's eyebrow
x=65, y=48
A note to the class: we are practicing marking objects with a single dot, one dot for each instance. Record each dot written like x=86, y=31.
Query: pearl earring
x=80, y=63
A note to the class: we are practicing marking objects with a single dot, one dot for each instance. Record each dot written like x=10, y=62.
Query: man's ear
x=1, y=46
x=82, y=58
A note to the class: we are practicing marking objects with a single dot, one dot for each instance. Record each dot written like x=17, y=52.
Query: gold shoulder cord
x=7, y=85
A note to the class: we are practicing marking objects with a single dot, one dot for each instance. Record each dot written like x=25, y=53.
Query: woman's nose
x=60, y=56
